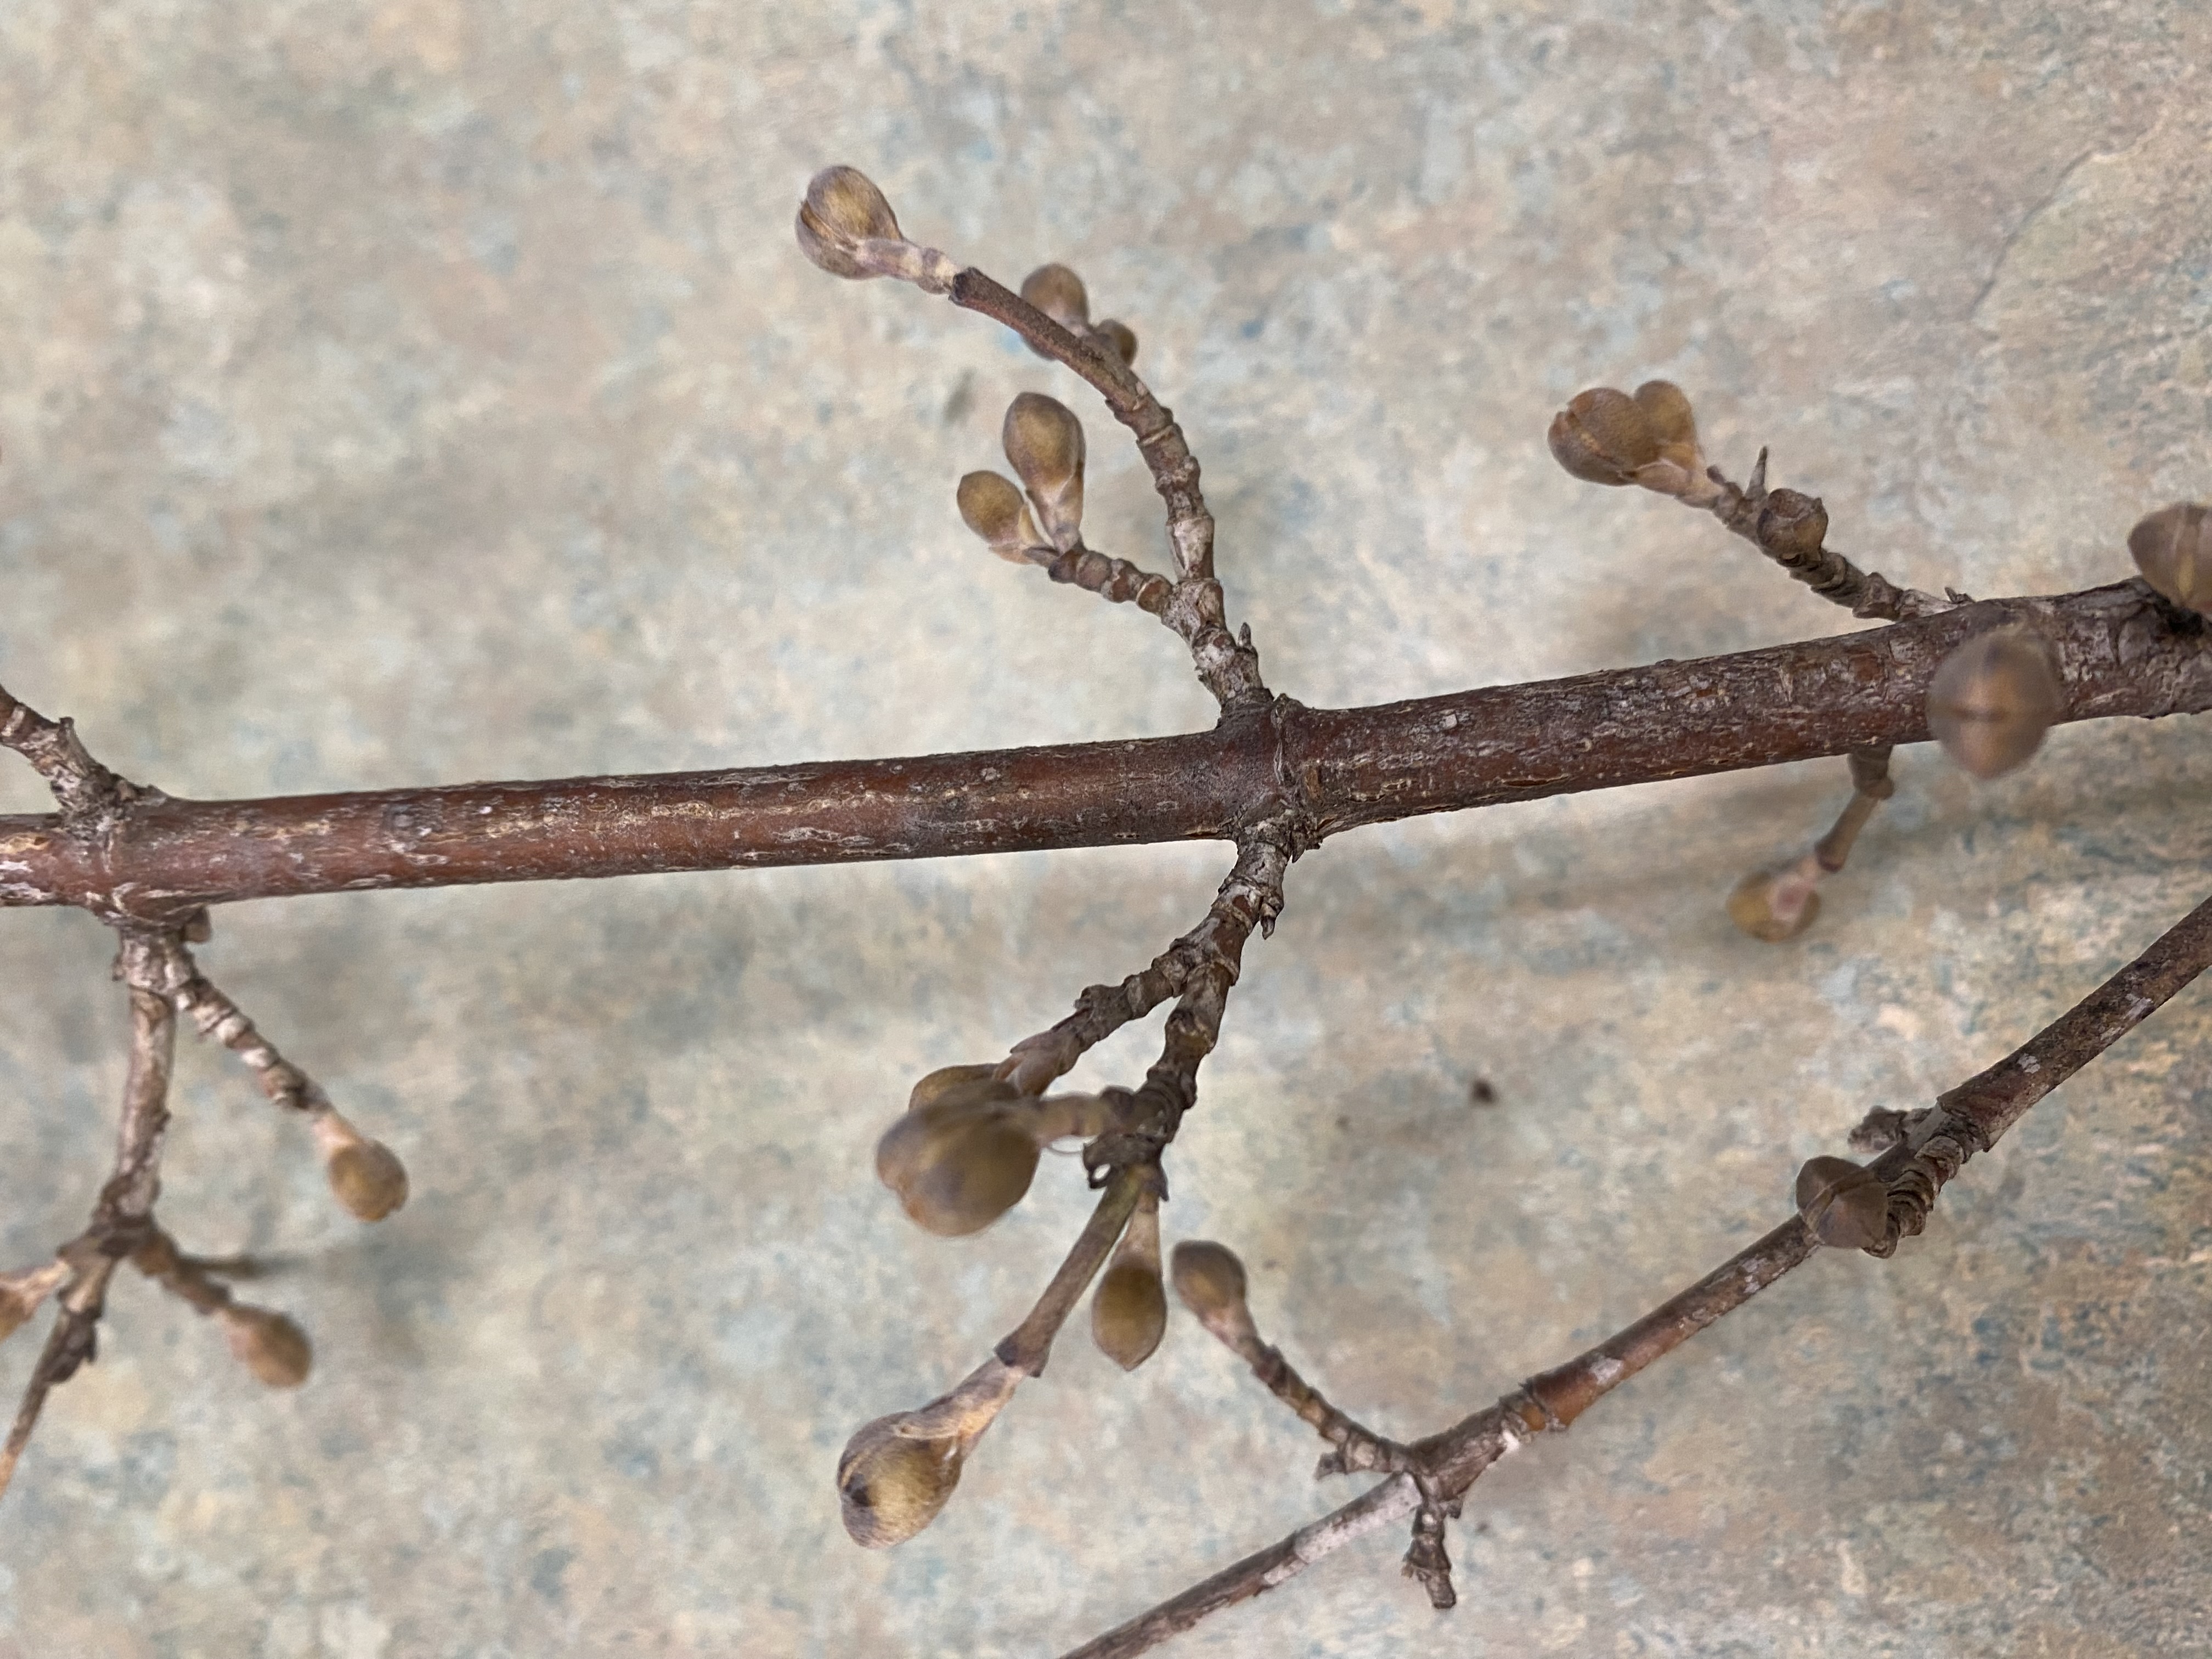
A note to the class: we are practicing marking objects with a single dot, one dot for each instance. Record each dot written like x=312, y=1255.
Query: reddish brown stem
x=2121, y=650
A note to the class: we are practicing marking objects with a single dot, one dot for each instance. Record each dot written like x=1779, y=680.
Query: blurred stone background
x=405, y=392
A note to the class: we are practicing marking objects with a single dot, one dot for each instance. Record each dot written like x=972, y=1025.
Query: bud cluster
x=1043, y=441
x=966, y=1149
x=1650, y=438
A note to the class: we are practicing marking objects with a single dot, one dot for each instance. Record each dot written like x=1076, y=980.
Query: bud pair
x=1058, y=293
x=1993, y=698
x=1847, y=1206
x=366, y=1174
x=1044, y=441
x=1608, y=437
x=897, y=1472
x=1129, y=1309
x=966, y=1149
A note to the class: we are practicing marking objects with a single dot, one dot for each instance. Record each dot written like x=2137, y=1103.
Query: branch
x=2121, y=650
x=122, y=1220
x=1977, y=1112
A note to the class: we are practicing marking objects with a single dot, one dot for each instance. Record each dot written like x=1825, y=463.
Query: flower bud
x=842, y=209
x=1992, y=700
x=2173, y=550
x=367, y=1174
x=21, y=1293
x=993, y=507
x=1129, y=1310
x=1604, y=436
x=946, y=1079
x=1792, y=522
x=1847, y=1206
x=1210, y=1280
x=267, y=1344
x=898, y=1471
x=890, y=1487
x=962, y=1160
x=1666, y=412
x=1121, y=336
x=1774, y=905
x=1044, y=441
x=1057, y=292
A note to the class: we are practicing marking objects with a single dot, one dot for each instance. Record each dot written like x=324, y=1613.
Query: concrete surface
x=418, y=391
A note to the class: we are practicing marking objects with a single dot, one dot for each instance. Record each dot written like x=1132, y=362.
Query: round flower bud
x=1044, y=441
x=962, y=1161
x=890, y=1486
x=1057, y=292
x=1847, y=1206
x=1210, y=1280
x=1604, y=436
x=267, y=1344
x=1992, y=700
x=993, y=507
x=842, y=209
x=366, y=1174
x=1767, y=905
x=1122, y=338
x=1129, y=1313
x=2172, y=548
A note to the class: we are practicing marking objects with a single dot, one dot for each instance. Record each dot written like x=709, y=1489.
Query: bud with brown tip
x=963, y=1159
x=22, y=1293
x=896, y=1473
x=1604, y=436
x=1992, y=700
x=993, y=507
x=844, y=209
x=1847, y=1206
x=267, y=1344
x=1668, y=413
x=1129, y=1310
x=1044, y=441
x=366, y=1174
x=2172, y=548
x=1210, y=1280
x=890, y=1487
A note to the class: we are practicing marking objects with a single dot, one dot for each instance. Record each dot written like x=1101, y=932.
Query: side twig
x=1966, y=1119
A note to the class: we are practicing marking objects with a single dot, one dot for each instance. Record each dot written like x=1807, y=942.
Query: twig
x=2121, y=651
x=1251, y=896
x=122, y=1218
x=193, y=995
x=1790, y=528
x=84, y=787
x=1967, y=1118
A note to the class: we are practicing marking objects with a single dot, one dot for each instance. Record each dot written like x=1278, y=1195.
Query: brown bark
x=2122, y=652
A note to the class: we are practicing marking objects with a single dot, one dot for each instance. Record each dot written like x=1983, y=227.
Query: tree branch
x=1970, y=1116
x=2121, y=650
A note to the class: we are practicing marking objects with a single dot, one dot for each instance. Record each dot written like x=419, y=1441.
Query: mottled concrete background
x=420, y=391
